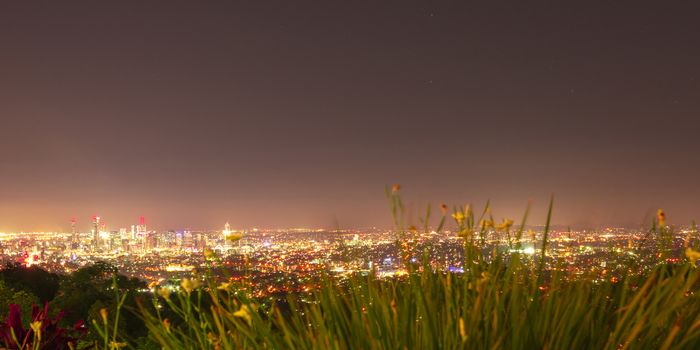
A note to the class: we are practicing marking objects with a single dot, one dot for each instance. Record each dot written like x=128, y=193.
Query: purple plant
x=43, y=328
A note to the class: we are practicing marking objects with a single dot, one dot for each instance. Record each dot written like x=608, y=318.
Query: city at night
x=349, y=175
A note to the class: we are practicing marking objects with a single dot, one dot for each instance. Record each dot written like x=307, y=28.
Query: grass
x=503, y=300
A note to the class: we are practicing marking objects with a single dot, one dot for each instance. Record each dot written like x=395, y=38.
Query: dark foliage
x=33, y=279
x=47, y=330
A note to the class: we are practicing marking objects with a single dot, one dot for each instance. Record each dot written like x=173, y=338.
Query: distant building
x=226, y=232
x=96, y=239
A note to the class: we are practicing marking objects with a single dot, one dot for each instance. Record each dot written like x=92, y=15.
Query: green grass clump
x=503, y=300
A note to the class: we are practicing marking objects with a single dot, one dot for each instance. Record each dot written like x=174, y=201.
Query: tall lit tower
x=95, y=231
x=141, y=233
x=142, y=224
x=227, y=231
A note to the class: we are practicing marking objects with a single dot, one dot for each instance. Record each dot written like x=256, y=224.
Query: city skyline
x=297, y=115
x=87, y=225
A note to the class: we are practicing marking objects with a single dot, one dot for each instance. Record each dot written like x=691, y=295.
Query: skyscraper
x=96, y=232
x=226, y=232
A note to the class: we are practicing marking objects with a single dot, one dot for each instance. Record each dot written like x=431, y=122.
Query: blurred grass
x=503, y=300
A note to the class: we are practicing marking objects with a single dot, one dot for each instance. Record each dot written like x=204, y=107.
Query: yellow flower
x=532, y=234
x=36, y=327
x=103, y=314
x=692, y=255
x=117, y=345
x=164, y=293
x=244, y=313
x=505, y=225
x=662, y=217
x=459, y=217
x=189, y=285
x=225, y=286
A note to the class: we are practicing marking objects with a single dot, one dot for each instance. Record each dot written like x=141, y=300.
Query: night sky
x=291, y=113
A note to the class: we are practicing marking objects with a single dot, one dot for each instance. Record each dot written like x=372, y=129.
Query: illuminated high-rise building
x=142, y=224
x=167, y=239
x=96, y=232
x=201, y=241
x=150, y=241
x=142, y=233
x=226, y=232
x=114, y=240
x=123, y=234
x=179, y=239
x=187, y=239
